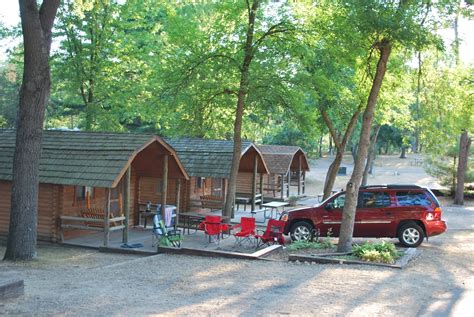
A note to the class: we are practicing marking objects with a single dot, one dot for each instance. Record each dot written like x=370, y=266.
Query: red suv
x=409, y=212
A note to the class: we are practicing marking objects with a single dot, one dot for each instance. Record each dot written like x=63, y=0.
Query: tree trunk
x=331, y=175
x=370, y=156
x=330, y=145
x=340, y=146
x=354, y=149
x=403, y=155
x=320, y=150
x=453, y=177
x=352, y=188
x=456, y=34
x=36, y=26
x=464, y=144
x=241, y=96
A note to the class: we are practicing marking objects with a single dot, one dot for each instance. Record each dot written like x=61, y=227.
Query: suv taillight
x=434, y=215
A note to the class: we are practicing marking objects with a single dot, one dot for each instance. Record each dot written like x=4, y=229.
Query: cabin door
x=217, y=185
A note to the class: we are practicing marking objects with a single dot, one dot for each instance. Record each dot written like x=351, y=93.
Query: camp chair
x=273, y=234
x=247, y=231
x=165, y=236
x=213, y=227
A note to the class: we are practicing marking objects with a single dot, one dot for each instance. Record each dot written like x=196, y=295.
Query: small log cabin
x=208, y=163
x=99, y=176
x=287, y=166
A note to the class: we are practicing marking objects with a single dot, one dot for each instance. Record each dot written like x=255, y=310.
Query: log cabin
x=208, y=163
x=287, y=166
x=94, y=181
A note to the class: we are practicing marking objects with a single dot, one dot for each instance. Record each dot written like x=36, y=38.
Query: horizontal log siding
x=5, y=200
x=73, y=206
x=47, y=210
x=244, y=182
x=148, y=190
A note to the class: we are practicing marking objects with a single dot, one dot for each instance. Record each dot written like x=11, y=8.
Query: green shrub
x=384, y=252
x=297, y=245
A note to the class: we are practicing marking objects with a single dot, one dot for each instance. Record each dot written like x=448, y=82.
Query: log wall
x=48, y=205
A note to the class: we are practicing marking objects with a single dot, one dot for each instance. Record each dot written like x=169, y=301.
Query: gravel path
x=77, y=282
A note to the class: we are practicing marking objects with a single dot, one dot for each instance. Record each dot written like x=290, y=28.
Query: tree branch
x=47, y=14
x=274, y=29
x=331, y=128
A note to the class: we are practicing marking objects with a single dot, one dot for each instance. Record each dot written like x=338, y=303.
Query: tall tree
x=384, y=46
x=464, y=145
x=330, y=58
x=34, y=93
x=385, y=23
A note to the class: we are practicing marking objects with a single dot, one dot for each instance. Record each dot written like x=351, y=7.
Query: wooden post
x=304, y=182
x=282, y=181
x=261, y=190
x=289, y=183
x=126, y=205
x=254, y=181
x=165, y=186
x=107, y=218
x=299, y=175
x=178, y=202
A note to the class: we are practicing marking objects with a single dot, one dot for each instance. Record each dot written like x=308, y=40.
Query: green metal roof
x=77, y=158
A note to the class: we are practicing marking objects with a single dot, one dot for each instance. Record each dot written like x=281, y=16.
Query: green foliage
x=298, y=245
x=173, y=68
x=446, y=105
x=384, y=252
x=9, y=87
x=444, y=168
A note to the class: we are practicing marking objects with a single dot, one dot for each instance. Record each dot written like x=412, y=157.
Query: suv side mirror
x=329, y=206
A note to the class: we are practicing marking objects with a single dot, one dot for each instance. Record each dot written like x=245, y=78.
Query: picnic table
x=273, y=206
x=145, y=210
x=245, y=199
x=193, y=219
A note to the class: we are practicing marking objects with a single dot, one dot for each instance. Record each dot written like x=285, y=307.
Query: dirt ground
x=388, y=169
x=78, y=282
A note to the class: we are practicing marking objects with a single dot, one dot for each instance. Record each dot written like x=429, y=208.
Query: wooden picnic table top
x=201, y=214
x=275, y=204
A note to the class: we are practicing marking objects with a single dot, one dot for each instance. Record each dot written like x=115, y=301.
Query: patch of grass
x=384, y=252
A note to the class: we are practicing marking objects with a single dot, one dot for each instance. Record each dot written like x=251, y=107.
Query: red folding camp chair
x=247, y=231
x=213, y=227
x=273, y=234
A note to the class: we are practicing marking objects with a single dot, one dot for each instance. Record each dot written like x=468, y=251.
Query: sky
x=10, y=15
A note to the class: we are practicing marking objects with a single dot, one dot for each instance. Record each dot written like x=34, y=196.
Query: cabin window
x=200, y=182
x=83, y=191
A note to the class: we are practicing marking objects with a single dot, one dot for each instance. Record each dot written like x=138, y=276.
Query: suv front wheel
x=301, y=231
x=410, y=235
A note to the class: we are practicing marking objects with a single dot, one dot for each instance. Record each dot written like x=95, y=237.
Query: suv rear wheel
x=410, y=235
x=301, y=231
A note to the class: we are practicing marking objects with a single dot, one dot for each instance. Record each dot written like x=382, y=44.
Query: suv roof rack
x=393, y=186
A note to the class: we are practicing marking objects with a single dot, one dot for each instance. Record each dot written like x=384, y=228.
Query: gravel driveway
x=77, y=282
